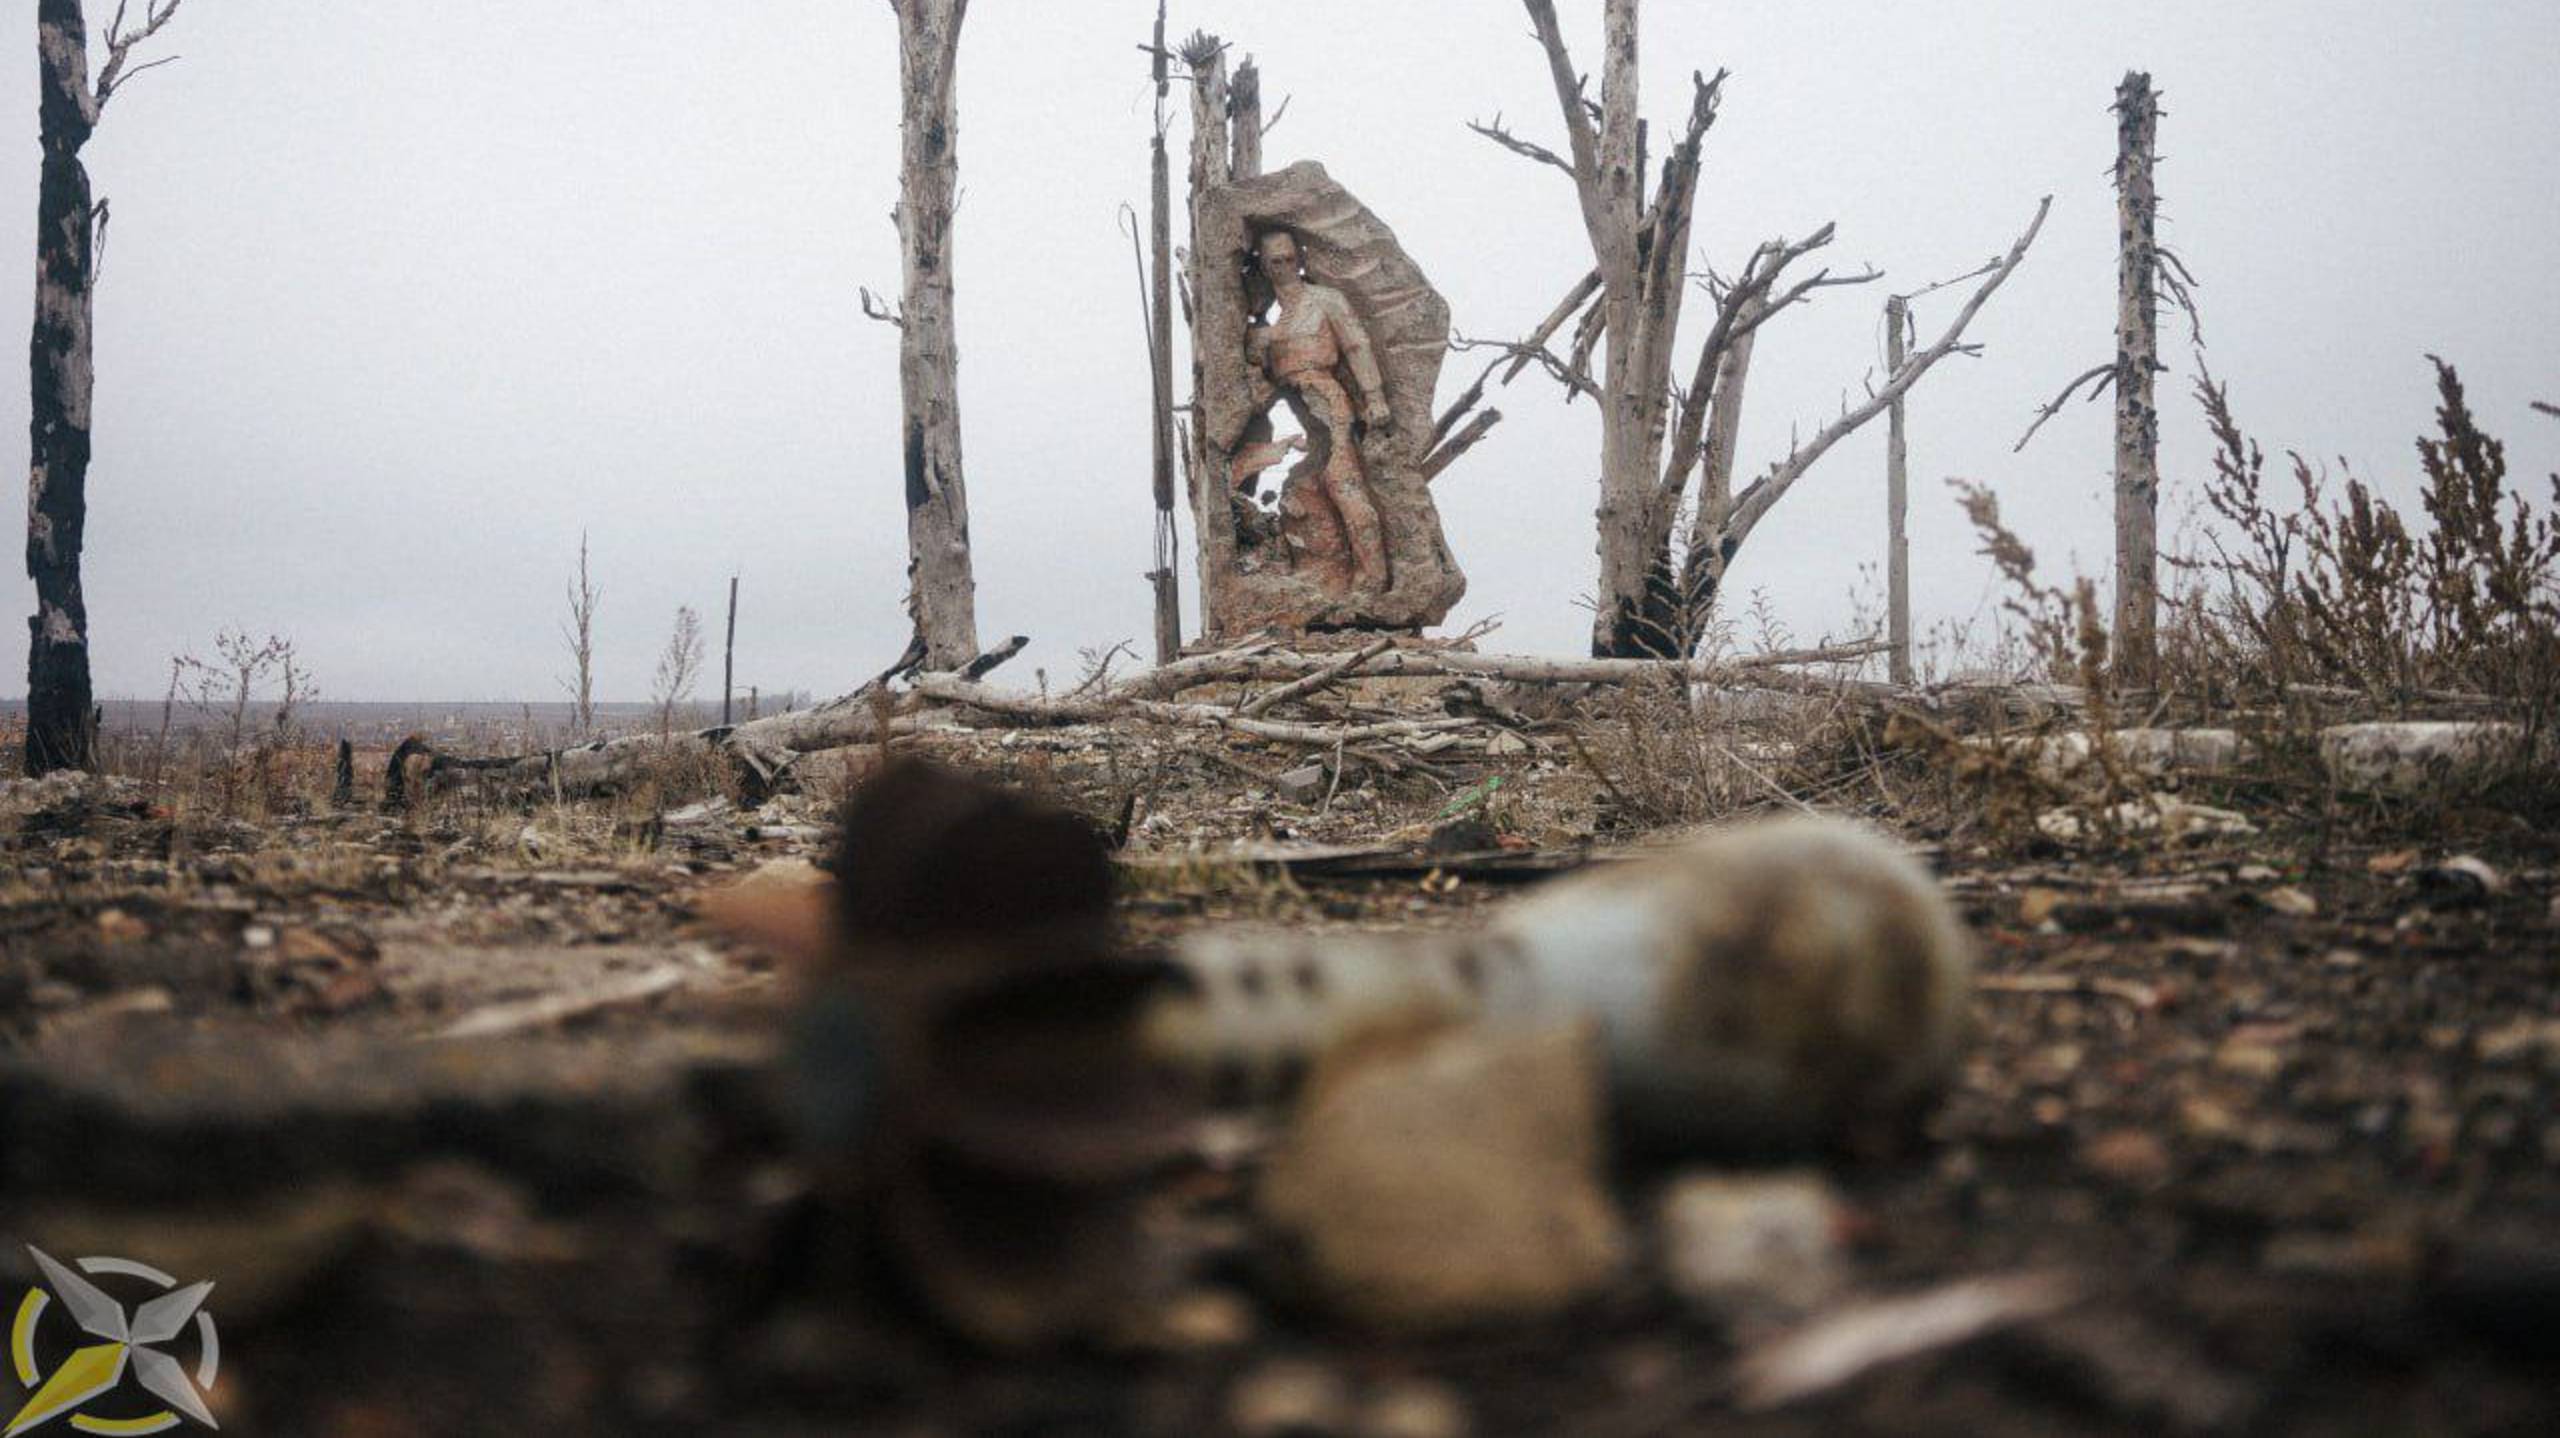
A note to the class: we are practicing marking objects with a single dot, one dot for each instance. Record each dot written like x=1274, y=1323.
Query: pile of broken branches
x=904, y=701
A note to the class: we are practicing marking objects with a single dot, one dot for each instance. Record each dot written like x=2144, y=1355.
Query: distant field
x=371, y=723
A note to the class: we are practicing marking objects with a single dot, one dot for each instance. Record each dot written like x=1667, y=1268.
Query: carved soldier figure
x=1309, y=339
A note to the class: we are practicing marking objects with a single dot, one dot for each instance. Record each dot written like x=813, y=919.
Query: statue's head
x=1277, y=255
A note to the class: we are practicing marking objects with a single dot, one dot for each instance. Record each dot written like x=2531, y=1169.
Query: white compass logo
x=129, y=1344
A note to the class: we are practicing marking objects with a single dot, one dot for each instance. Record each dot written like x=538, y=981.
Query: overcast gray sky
x=399, y=297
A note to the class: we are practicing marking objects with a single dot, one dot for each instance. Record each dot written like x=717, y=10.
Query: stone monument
x=1303, y=302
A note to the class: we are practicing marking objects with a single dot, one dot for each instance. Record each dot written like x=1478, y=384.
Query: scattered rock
x=2162, y=815
x=2522, y=1041
x=2135, y=1158
x=1289, y=1398
x=2291, y=902
x=694, y=816
x=1466, y=834
x=1447, y=1179
x=1413, y=1408
x=2463, y=879
x=2310, y=1254
x=2035, y=906
x=115, y=926
x=783, y=875
x=1205, y=1320
x=1304, y=784
x=151, y=999
x=1752, y=1250
x=2249, y=1059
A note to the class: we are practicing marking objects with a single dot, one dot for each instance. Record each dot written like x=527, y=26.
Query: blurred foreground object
x=964, y=1055
x=997, y=1082
x=1776, y=984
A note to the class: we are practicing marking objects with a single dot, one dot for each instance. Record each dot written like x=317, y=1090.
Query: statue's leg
x=1347, y=485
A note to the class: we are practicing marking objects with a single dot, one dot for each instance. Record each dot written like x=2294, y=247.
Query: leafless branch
x=1754, y=502
x=1951, y=281
x=2104, y=375
x=1459, y=443
x=1585, y=145
x=120, y=43
x=2178, y=283
x=878, y=309
x=1322, y=679
x=1575, y=378
x=1584, y=291
x=2546, y=407
x=1464, y=404
x=1741, y=308
x=1498, y=133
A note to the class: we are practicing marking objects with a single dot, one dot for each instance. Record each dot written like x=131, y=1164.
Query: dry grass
x=2286, y=618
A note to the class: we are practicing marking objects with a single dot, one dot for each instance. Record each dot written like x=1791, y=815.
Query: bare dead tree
x=1167, y=587
x=579, y=631
x=2145, y=271
x=1654, y=433
x=1640, y=247
x=62, y=730
x=1897, y=496
x=1212, y=519
x=729, y=654
x=941, y=592
x=2136, y=648
x=679, y=665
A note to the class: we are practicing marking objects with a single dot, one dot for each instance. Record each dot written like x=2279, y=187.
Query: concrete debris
x=2074, y=757
x=2161, y=815
x=2417, y=759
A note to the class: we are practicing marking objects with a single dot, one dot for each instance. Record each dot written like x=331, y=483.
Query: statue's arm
x=1257, y=372
x=1353, y=338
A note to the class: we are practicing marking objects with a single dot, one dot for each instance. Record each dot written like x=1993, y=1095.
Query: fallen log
x=1431, y=662
x=1116, y=705
x=762, y=749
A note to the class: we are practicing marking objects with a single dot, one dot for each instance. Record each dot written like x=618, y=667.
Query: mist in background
x=399, y=299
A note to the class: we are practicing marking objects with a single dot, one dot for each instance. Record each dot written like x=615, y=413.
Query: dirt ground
x=476, y=1128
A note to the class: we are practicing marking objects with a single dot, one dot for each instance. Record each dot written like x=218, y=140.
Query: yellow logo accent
x=131, y=1347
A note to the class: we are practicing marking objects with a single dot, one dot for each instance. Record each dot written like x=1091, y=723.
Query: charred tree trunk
x=942, y=594
x=61, y=729
x=1168, y=589
x=2137, y=360
x=62, y=726
x=1897, y=497
x=1213, y=519
x=729, y=655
